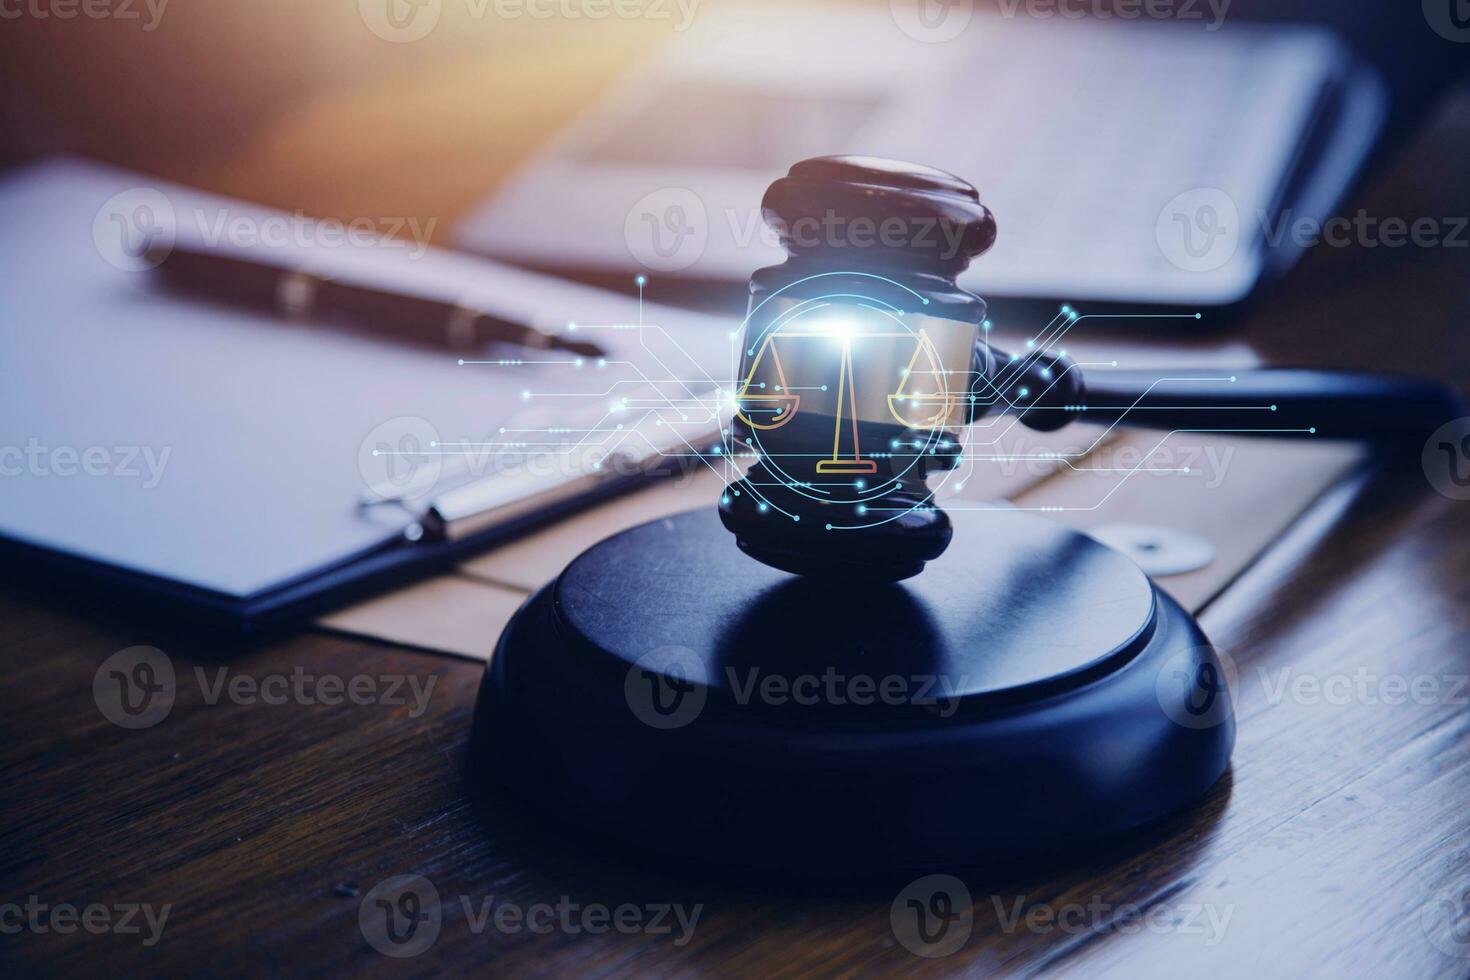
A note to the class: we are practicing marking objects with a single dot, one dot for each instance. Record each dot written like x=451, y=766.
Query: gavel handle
x=1275, y=402
x=1047, y=392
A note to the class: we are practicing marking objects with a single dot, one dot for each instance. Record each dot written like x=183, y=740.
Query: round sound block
x=1031, y=691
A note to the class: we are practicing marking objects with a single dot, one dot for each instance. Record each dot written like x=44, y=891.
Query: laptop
x=1140, y=162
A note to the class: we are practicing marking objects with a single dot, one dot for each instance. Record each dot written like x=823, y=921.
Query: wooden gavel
x=880, y=243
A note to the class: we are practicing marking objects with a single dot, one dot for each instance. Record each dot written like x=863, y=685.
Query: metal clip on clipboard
x=475, y=504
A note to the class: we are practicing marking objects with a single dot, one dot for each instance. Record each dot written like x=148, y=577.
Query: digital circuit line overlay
x=655, y=401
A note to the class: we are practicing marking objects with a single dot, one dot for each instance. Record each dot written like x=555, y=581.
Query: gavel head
x=861, y=358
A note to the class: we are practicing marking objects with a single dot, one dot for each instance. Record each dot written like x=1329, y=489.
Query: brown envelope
x=1239, y=495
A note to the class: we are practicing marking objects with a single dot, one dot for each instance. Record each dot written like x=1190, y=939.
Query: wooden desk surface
x=1323, y=852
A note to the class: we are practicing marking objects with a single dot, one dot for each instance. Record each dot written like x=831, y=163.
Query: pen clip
x=296, y=293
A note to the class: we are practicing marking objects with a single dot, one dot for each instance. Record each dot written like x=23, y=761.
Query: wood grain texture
x=263, y=826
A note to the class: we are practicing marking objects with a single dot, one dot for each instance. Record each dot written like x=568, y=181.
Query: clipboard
x=215, y=462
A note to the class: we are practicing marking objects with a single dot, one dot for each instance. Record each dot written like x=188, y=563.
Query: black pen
x=300, y=293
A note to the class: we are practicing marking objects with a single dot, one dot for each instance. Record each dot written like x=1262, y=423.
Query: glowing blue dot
x=641, y=280
x=461, y=362
x=796, y=517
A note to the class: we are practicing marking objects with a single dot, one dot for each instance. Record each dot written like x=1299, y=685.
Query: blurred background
x=329, y=109
x=301, y=105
